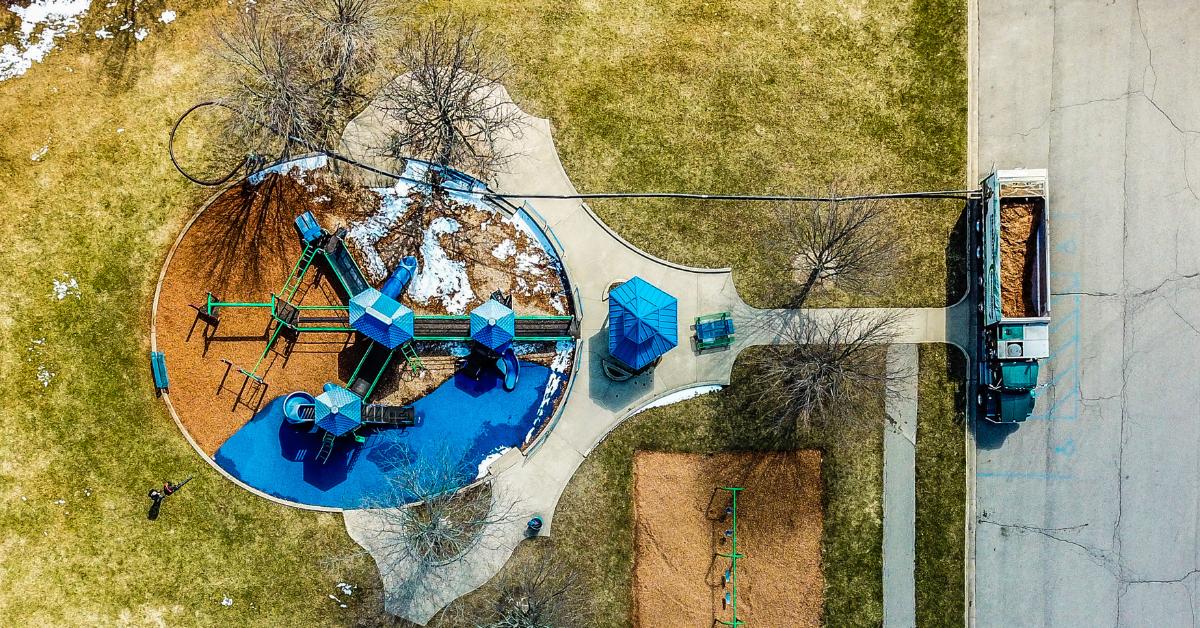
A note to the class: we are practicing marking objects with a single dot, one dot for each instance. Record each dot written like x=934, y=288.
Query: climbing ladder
x=326, y=447
x=412, y=359
x=298, y=271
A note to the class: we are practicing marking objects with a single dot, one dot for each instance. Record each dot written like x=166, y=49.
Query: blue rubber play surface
x=474, y=418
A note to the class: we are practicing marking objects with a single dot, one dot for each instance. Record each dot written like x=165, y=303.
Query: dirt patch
x=677, y=579
x=1018, y=228
x=244, y=246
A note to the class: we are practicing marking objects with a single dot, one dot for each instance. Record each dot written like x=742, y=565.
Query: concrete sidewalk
x=900, y=489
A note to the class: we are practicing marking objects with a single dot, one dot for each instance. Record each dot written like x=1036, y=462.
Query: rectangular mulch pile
x=677, y=581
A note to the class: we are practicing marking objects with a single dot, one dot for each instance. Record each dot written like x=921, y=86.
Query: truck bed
x=1020, y=253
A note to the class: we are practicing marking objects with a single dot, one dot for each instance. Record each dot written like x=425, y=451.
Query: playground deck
x=679, y=531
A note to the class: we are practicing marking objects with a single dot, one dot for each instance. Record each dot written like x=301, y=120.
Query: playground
x=301, y=379
x=685, y=531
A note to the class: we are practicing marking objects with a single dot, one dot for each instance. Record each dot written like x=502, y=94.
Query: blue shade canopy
x=381, y=318
x=493, y=325
x=338, y=410
x=643, y=323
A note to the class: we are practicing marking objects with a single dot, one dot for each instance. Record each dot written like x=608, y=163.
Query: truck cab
x=1012, y=259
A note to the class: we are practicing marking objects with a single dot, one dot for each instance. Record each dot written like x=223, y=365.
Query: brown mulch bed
x=1018, y=227
x=677, y=578
x=242, y=248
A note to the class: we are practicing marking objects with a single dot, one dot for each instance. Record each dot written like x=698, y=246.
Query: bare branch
x=827, y=360
x=296, y=73
x=540, y=593
x=450, y=106
x=442, y=521
x=841, y=243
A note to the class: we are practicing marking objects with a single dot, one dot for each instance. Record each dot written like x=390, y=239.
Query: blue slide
x=509, y=368
x=398, y=280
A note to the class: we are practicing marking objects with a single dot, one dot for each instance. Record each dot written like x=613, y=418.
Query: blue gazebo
x=381, y=318
x=338, y=410
x=493, y=325
x=643, y=323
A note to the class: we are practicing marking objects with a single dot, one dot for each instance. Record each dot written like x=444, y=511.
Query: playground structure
x=288, y=318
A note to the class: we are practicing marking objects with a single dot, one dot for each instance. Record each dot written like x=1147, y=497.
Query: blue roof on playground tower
x=643, y=323
x=493, y=324
x=338, y=410
x=381, y=318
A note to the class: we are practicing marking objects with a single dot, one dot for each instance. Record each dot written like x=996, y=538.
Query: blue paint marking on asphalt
x=1024, y=475
x=1064, y=396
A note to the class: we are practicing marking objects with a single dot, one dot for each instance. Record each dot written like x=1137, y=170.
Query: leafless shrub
x=444, y=521
x=293, y=74
x=840, y=243
x=449, y=105
x=827, y=360
x=537, y=594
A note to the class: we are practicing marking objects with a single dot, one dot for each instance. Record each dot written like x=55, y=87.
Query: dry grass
x=103, y=205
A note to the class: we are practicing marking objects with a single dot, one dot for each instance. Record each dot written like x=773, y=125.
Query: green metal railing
x=733, y=557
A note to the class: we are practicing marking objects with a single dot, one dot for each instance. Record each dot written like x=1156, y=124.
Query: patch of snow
x=39, y=153
x=104, y=33
x=60, y=502
x=489, y=459
x=504, y=250
x=44, y=375
x=226, y=601
x=294, y=166
x=677, y=396
x=55, y=17
x=126, y=26
x=440, y=277
x=530, y=264
x=322, y=199
x=66, y=287
x=121, y=130
x=392, y=207
x=345, y=588
x=558, y=305
x=140, y=34
x=167, y=17
x=564, y=351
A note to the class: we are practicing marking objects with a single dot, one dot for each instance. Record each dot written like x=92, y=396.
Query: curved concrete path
x=531, y=483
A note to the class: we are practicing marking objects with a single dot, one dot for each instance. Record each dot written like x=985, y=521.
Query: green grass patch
x=941, y=490
x=753, y=96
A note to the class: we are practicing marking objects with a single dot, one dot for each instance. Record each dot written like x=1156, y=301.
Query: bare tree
x=450, y=106
x=343, y=38
x=539, y=594
x=826, y=360
x=295, y=73
x=842, y=243
x=442, y=520
x=265, y=87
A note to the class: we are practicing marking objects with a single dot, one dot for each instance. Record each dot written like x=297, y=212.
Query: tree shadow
x=246, y=231
x=124, y=56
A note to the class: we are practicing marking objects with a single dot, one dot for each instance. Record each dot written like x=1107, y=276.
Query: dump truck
x=1012, y=258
